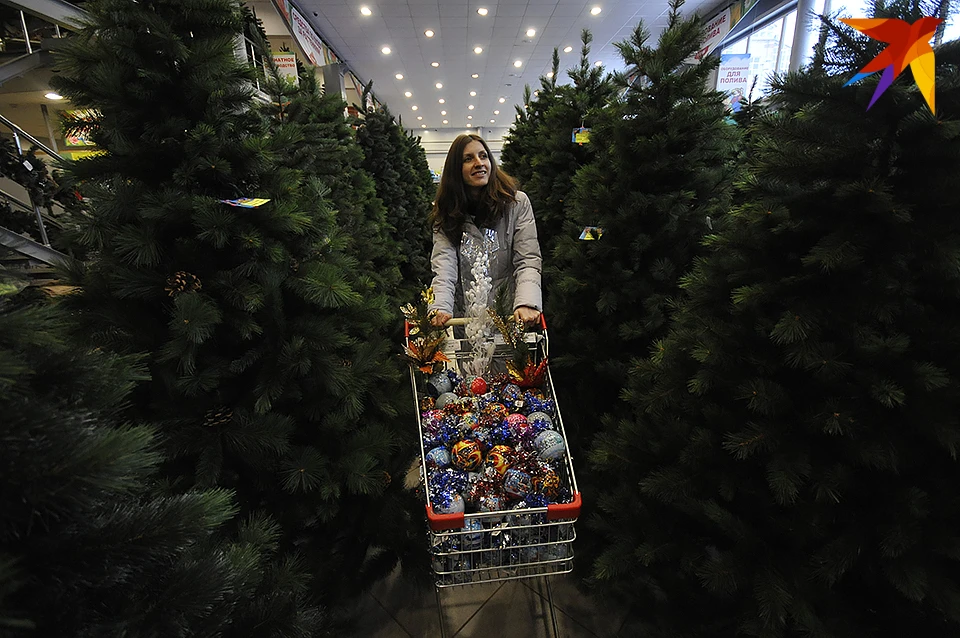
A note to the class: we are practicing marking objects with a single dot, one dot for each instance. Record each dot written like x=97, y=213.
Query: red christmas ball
x=478, y=386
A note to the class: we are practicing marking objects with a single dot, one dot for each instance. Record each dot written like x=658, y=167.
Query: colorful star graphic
x=909, y=45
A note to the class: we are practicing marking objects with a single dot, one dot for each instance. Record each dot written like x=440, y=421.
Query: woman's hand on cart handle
x=527, y=315
x=441, y=319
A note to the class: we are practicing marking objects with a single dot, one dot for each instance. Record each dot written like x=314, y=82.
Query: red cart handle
x=441, y=522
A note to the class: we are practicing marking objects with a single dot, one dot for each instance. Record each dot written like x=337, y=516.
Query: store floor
x=529, y=608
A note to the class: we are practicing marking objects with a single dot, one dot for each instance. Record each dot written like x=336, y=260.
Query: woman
x=474, y=196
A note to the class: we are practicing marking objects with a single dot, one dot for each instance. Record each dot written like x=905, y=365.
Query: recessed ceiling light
x=598, y=63
x=550, y=74
x=446, y=121
x=502, y=100
x=434, y=64
x=53, y=96
x=595, y=11
x=399, y=76
x=419, y=117
x=469, y=117
x=517, y=63
x=408, y=94
x=385, y=50
x=441, y=101
x=414, y=107
x=473, y=94
x=429, y=33
x=492, y=121
x=531, y=33
x=423, y=126
x=482, y=11
x=475, y=76
x=366, y=11
x=438, y=85
x=443, y=112
x=470, y=107
x=567, y=49
x=478, y=50
x=496, y=112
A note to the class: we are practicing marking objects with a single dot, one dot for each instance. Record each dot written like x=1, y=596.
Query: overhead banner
x=307, y=38
x=733, y=78
x=713, y=33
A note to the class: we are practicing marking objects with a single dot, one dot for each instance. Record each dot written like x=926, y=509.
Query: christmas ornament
x=512, y=397
x=445, y=399
x=478, y=386
x=491, y=503
x=472, y=534
x=466, y=455
x=549, y=445
x=431, y=420
x=427, y=403
x=547, y=483
x=516, y=483
x=540, y=420
x=499, y=458
x=470, y=422
x=438, y=383
x=493, y=413
x=438, y=457
x=449, y=504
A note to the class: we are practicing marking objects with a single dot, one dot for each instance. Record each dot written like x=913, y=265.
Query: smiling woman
x=477, y=199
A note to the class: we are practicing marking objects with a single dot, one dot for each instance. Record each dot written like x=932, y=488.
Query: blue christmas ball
x=549, y=445
x=438, y=457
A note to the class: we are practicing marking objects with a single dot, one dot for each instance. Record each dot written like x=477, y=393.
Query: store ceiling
x=458, y=29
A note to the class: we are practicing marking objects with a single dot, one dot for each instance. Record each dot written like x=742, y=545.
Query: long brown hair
x=452, y=201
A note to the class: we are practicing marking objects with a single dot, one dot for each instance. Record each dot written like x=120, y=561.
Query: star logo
x=909, y=45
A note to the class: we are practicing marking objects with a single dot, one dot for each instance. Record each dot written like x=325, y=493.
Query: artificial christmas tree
x=88, y=547
x=661, y=171
x=552, y=155
x=312, y=135
x=520, y=143
x=244, y=308
x=387, y=157
x=790, y=464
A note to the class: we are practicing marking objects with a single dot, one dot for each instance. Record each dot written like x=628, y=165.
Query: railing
x=20, y=133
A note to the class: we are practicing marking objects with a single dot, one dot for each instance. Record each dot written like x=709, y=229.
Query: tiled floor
x=529, y=608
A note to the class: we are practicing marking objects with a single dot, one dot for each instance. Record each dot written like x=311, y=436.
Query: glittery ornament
x=512, y=397
x=491, y=503
x=437, y=457
x=445, y=399
x=517, y=423
x=427, y=403
x=540, y=405
x=499, y=458
x=470, y=421
x=516, y=483
x=438, y=383
x=549, y=445
x=431, y=420
x=541, y=420
x=478, y=386
x=500, y=434
x=493, y=413
x=467, y=455
x=482, y=436
x=452, y=504
x=547, y=483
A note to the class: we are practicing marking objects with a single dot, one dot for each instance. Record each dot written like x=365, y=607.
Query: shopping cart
x=509, y=544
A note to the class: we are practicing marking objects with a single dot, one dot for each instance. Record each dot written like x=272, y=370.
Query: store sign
x=286, y=63
x=733, y=78
x=307, y=38
x=716, y=28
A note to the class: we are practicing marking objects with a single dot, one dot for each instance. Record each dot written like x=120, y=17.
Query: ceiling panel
x=458, y=28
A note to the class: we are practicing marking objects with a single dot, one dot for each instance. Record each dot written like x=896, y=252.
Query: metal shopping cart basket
x=508, y=543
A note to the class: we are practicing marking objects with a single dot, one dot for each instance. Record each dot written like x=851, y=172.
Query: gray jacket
x=516, y=262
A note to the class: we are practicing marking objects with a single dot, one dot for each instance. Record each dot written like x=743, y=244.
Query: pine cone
x=218, y=416
x=182, y=282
